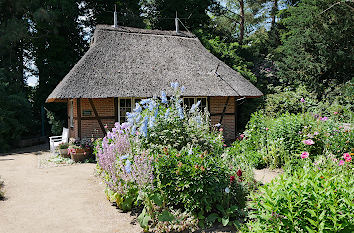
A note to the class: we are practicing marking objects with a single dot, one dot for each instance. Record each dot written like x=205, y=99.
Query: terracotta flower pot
x=79, y=155
x=64, y=153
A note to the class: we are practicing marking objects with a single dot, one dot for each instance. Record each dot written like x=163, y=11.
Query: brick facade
x=105, y=108
x=89, y=125
x=216, y=105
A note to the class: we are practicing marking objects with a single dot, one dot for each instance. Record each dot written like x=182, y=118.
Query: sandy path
x=57, y=199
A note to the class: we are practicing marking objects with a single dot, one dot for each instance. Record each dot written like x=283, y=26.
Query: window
x=189, y=101
x=71, y=113
x=126, y=105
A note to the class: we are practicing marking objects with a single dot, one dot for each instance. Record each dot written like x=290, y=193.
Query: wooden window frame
x=132, y=99
x=196, y=100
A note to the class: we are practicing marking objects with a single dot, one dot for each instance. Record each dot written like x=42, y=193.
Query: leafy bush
x=169, y=161
x=279, y=141
x=317, y=198
x=15, y=117
x=201, y=184
x=1, y=190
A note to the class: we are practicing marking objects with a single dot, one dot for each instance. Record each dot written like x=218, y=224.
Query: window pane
x=188, y=102
x=128, y=103
x=122, y=102
x=203, y=103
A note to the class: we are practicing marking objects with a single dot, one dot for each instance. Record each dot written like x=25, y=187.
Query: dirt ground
x=55, y=199
x=42, y=198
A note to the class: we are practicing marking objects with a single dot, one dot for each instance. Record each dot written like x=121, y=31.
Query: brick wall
x=90, y=126
x=217, y=105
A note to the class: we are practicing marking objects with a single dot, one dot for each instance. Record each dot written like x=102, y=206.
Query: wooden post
x=224, y=110
x=116, y=109
x=78, y=108
x=97, y=117
x=235, y=116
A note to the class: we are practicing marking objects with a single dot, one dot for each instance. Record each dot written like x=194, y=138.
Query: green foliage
x=316, y=44
x=56, y=124
x=15, y=117
x=230, y=53
x=279, y=141
x=336, y=99
x=2, y=195
x=317, y=198
x=160, y=14
x=195, y=181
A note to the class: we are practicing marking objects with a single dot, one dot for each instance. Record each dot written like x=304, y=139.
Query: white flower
x=227, y=190
x=217, y=125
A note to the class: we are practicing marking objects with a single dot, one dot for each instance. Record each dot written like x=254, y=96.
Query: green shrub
x=317, y=198
x=2, y=195
x=196, y=181
x=278, y=141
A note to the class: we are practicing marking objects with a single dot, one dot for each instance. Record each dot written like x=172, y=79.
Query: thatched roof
x=128, y=62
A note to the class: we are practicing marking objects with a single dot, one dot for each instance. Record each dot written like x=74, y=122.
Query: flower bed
x=166, y=161
x=283, y=140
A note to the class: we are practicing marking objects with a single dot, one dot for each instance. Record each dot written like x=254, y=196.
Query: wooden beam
x=116, y=109
x=97, y=116
x=78, y=110
x=235, y=116
x=224, y=110
x=220, y=114
x=94, y=118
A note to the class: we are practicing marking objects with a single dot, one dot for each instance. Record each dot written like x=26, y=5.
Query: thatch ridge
x=128, y=62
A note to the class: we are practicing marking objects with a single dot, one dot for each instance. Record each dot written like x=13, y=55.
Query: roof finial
x=115, y=16
x=176, y=23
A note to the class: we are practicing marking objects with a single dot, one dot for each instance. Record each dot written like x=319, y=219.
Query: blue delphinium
x=128, y=166
x=137, y=108
x=163, y=97
x=183, y=89
x=198, y=120
x=174, y=85
x=124, y=157
x=152, y=105
x=180, y=111
x=133, y=130
x=194, y=107
x=144, y=126
x=167, y=113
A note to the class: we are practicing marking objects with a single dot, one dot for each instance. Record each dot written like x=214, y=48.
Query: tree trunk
x=242, y=21
x=274, y=12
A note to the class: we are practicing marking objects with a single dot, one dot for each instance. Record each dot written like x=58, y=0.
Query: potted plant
x=63, y=150
x=80, y=150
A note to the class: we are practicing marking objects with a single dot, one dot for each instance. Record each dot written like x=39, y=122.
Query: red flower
x=232, y=178
x=239, y=173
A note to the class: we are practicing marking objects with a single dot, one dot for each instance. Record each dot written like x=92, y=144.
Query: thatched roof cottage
x=124, y=65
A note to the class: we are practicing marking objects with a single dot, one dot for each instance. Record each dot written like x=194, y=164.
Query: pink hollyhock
x=347, y=157
x=324, y=118
x=308, y=142
x=335, y=113
x=225, y=145
x=341, y=162
x=221, y=129
x=304, y=155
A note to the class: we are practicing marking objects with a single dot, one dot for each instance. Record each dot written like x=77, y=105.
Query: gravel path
x=55, y=199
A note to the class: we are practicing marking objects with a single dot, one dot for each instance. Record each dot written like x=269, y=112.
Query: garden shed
x=124, y=65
